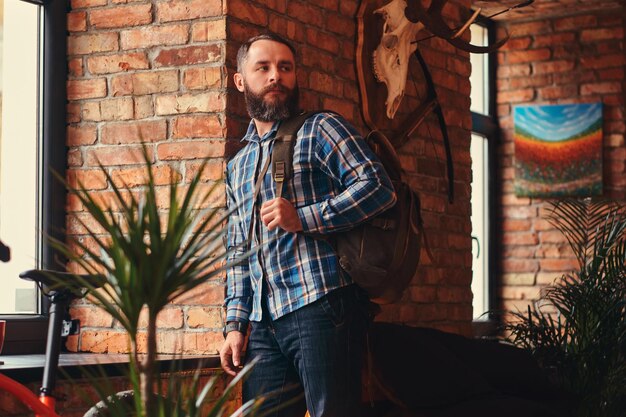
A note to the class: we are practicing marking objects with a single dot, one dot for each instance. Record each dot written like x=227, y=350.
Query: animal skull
x=391, y=57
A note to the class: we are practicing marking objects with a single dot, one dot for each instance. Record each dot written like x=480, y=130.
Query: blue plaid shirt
x=337, y=182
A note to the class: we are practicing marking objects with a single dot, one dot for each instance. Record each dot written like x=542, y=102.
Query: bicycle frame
x=42, y=406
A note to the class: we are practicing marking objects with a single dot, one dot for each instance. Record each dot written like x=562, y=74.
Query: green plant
x=578, y=328
x=149, y=257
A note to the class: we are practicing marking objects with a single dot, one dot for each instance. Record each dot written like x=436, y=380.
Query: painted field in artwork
x=558, y=150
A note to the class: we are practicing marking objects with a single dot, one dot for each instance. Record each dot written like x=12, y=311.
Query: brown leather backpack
x=382, y=254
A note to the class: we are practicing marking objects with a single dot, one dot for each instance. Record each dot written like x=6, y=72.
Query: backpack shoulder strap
x=282, y=151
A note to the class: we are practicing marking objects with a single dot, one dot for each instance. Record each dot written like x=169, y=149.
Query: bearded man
x=308, y=319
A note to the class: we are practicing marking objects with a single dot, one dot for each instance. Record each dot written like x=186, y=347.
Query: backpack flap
x=382, y=254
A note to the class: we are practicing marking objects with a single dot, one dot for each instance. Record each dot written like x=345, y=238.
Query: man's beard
x=275, y=110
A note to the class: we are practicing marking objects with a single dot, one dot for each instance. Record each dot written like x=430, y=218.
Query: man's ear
x=238, y=78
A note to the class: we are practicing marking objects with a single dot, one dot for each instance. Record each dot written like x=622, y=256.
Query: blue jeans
x=316, y=350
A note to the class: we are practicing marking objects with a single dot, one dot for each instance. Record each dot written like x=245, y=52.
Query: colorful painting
x=558, y=150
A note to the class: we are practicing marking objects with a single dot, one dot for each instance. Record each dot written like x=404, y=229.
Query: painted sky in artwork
x=557, y=122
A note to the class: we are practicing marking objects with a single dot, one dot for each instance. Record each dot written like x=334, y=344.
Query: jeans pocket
x=334, y=307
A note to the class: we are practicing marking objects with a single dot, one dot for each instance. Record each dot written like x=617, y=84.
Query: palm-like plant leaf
x=149, y=256
x=586, y=342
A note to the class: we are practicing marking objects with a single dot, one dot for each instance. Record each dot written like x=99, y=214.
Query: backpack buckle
x=279, y=172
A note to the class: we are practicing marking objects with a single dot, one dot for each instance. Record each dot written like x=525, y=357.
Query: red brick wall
x=572, y=59
x=324, y=34
x=148, y=71
x=162, y=72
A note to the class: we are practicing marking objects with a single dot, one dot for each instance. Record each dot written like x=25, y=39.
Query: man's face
x=268, y=80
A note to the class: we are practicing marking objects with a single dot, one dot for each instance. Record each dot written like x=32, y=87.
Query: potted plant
x=149, y=258
x=577, y=330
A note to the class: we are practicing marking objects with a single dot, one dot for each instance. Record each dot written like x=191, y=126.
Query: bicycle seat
x=56, y=280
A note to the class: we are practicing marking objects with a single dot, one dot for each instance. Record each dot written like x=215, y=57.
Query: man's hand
x=280, y=213
x=230, y=353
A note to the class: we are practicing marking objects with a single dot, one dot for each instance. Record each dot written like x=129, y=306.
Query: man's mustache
x=275, y=87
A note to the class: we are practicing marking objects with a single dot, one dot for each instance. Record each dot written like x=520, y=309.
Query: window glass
x=480, y=73
x=479, y=151
x=19, y=162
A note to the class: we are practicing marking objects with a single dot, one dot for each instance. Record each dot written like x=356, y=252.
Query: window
x=19, y=168
x=33, y=73
x=484, y=132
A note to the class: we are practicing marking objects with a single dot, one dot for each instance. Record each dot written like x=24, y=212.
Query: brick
x=521, y=292
x=343, y=107
x=592, y=35
x=134, y=177
x=516, y=43
x=168, y=318
x=213, y=170
x=248, y=12
x=518, y=96
x=107, y=64
x=324, y=83
x=520, y=238
x=520, y=265
x=92, y=43
x=191, y=150
x=525, y=82
x=84, y=89
x=145, y=83
x=505, y=71
x=89, y=179
x=81, y=135
x=554, y=39
x=77, y=4
x=197, y=127
x=78, y=223
x=75, y=67
x=143, y=107
x=306, y=13
x=557, y=92
x=114, y=155
x=74, y=158
x=288, y=28
x=133, y=132
x=154, y=36
x=518, y=279
x=600, y=88
x=189, y=103
x=118, y=17
x=528, y=56
x=77, y=22
x=558, y=265
x=529, y=28
x=552, y=67
x=176, y=10
x=325, y=41
x=105, y=110
x=204, y=317
x=188, y=56
x=104, y=342
x=203, y=295
x=340, y=25
x=575, y=22
x=515, y=225
x=603, y=61
x=204, y=78
x=91, y=317
x=212, y=30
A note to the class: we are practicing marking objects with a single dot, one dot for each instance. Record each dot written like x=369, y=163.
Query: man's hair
x=242, y=54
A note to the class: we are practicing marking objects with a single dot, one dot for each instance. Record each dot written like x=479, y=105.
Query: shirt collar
x=252, y=135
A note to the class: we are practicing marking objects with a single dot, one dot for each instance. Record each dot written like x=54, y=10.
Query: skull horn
x=433, y=21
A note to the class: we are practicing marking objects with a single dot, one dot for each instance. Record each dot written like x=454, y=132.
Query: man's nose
x=274, y=74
